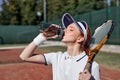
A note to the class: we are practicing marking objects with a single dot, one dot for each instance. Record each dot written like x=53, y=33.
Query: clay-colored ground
x=12, y=68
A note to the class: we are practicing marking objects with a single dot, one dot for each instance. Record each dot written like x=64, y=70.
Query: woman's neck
x=74, y=49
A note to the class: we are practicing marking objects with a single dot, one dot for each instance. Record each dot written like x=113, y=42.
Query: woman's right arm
x=27, y=53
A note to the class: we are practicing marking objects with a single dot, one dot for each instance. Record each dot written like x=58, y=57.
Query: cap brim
x=67, y=20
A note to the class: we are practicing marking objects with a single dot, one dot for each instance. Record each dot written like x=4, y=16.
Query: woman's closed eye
x=71, y=30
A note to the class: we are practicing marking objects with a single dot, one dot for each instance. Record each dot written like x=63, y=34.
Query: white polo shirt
x=67, y=67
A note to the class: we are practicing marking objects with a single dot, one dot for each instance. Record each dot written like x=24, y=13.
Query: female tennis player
x=70, y=64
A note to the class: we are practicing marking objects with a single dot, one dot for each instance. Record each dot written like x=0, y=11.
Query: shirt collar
x=77, y=58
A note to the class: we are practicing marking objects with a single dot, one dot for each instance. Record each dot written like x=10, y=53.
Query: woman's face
x=71, y=34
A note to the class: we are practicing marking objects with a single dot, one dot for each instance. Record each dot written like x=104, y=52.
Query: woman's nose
x=65, y=30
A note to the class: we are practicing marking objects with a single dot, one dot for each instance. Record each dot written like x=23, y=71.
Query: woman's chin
x=63, y=40
x=66, y=41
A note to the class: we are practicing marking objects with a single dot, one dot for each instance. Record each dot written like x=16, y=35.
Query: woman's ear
x=80, y=39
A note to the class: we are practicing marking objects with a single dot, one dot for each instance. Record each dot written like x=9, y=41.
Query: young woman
x=70, y=64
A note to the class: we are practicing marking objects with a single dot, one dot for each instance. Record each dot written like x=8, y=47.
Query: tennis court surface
x=12, y=68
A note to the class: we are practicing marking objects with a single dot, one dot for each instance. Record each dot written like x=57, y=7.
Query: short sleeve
x=51, y=57
x=96, y=71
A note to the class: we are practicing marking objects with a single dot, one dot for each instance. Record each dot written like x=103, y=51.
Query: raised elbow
x=22, y=58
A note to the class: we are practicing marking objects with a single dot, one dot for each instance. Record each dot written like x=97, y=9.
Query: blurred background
x=21, y=20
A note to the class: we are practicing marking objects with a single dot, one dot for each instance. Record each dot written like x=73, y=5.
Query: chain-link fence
x=23, y=34
x=17, y=34
x=96, y=18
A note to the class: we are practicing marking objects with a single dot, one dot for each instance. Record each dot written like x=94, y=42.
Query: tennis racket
x=99, y=38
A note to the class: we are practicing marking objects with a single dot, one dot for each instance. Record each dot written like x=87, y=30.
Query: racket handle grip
x=88, y=66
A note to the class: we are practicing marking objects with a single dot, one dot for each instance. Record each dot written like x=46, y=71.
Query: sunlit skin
x=73, y=39
x=71, y=34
